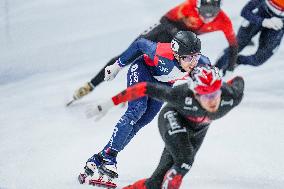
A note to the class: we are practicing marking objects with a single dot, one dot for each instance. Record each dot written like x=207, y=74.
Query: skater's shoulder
x=164, y=50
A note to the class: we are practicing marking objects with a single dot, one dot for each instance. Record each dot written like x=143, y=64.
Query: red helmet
x=206, y=79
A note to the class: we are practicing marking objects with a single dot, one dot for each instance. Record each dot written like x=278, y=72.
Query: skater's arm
x=138, y=47
x=235, y=89
x=157, y=91
x=248, y=12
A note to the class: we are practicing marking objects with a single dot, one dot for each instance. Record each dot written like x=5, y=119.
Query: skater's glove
x=82, y=91
x=274, y=23
x=112, y=70
x=97, y=111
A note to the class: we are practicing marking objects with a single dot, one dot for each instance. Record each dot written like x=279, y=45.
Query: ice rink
x=48, y=48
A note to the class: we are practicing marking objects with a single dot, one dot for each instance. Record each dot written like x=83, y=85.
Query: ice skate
x=90, y=168
x=99, y=171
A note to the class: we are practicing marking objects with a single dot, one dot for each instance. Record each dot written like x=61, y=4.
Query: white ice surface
x=48, y=48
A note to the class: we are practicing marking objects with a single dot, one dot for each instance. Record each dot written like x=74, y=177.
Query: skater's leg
x=138, y=72
x=182, y=143
x=157, y=33
x=105, y=161
x=246, y=32
x=166, y=162
x=124, y=127
x=269, y=41
x=155, y=181
x=153, y=107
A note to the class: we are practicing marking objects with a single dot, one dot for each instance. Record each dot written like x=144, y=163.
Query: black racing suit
x=183, y=124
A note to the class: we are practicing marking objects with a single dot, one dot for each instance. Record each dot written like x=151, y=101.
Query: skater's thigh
x=153, y=108
x=176, y=135
x=157, y=33
x=246, y=33
x=270, y=40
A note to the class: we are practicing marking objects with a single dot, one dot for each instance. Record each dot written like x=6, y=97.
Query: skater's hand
x=97, y=111
x=112, y=70
x=274, y=23
x=82, y=91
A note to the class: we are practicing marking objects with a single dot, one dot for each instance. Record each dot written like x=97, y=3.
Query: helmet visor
x=210, y=96
x=190, y=58
x=209, y=11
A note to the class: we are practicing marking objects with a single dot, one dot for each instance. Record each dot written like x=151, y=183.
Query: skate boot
x=107, y=173
x=100, y=170
x=91, y=168
x=108, y=166
x=172, y=180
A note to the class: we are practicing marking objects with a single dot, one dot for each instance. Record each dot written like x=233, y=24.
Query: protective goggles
x=210, y=96
x=189, y=58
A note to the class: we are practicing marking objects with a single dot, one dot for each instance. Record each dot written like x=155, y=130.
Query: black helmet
x=208, y=8
x=186, y=43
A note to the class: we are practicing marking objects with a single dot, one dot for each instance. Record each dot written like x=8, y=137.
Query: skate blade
x=70, y=102
x=101, y=183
